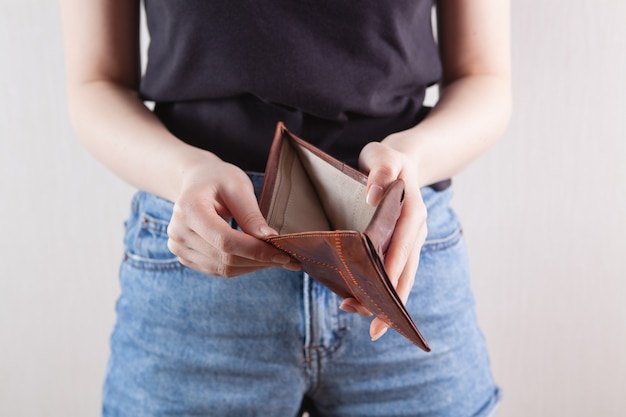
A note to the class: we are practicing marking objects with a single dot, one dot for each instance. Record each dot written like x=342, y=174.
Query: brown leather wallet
x=317, y=205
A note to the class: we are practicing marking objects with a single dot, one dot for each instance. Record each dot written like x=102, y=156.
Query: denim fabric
x=188, y=344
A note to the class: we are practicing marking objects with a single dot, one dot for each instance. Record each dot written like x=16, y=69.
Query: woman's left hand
x=384, y=164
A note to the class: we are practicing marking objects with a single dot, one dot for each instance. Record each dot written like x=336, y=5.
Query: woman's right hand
x=115, y=125
x=200, y=233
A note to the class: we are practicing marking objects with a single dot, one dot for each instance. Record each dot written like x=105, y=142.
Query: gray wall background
x=544, y=215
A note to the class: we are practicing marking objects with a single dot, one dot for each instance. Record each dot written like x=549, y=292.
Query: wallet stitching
x=338, y=248
x=304, y=258
x=345, y=265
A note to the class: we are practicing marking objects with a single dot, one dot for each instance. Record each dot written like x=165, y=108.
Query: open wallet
x=317, y=205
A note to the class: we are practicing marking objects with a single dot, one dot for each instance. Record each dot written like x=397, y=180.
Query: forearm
x=470, y=116
x=116, y=127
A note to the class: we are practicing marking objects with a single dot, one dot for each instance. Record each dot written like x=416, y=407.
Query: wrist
x=188, y=162
x=410, y=145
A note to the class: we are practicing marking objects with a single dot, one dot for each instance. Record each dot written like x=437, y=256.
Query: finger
x=382, y=166
x=244, y=208
x=351, y=305
x=204, y=209
x=232, y=242
x=199, y=249
x=377, y=329
x=241, y=203
x=403, y=288
x=225, y=272
x=234, y=267
x=218, y=234
x=223, y=245
x=407, y=279
x=410, y=232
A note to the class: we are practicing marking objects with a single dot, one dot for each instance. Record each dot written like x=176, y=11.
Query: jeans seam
x=154, y=224
x=147, y=264
x=443, y=243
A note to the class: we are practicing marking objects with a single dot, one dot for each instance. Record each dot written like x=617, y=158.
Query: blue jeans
x=188, y=344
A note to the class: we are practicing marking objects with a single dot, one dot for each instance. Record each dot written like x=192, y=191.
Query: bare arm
x=475, y=102
x=102, y=65
x=102, y=61
x=471, y=114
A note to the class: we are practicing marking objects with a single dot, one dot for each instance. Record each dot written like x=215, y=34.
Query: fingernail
x=347, y=308
x=267, y=231
x=379, y=334
x=374, y=195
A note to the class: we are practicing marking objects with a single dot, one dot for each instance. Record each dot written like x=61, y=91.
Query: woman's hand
x=103, y=73
x=472, y=111
x=384, y=164
x=199, y=232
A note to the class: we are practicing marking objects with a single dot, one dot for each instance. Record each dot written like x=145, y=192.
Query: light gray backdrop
x=544, y=215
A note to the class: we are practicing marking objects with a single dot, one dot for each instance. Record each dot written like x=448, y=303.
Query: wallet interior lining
x=312, y=195
x=341, y=196
x=295, y=205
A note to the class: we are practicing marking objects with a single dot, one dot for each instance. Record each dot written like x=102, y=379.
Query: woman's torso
x=339, y=73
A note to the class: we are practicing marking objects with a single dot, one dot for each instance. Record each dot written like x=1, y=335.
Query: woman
x=349, y=77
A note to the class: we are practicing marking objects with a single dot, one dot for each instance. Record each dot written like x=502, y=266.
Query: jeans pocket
x=440, y=243
x=146, y=244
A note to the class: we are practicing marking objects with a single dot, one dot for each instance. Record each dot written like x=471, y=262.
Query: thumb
x=382, y=168
x=374, y=193
x=245, y=210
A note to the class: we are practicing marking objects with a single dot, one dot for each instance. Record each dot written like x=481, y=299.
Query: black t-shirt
x=339, y=73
